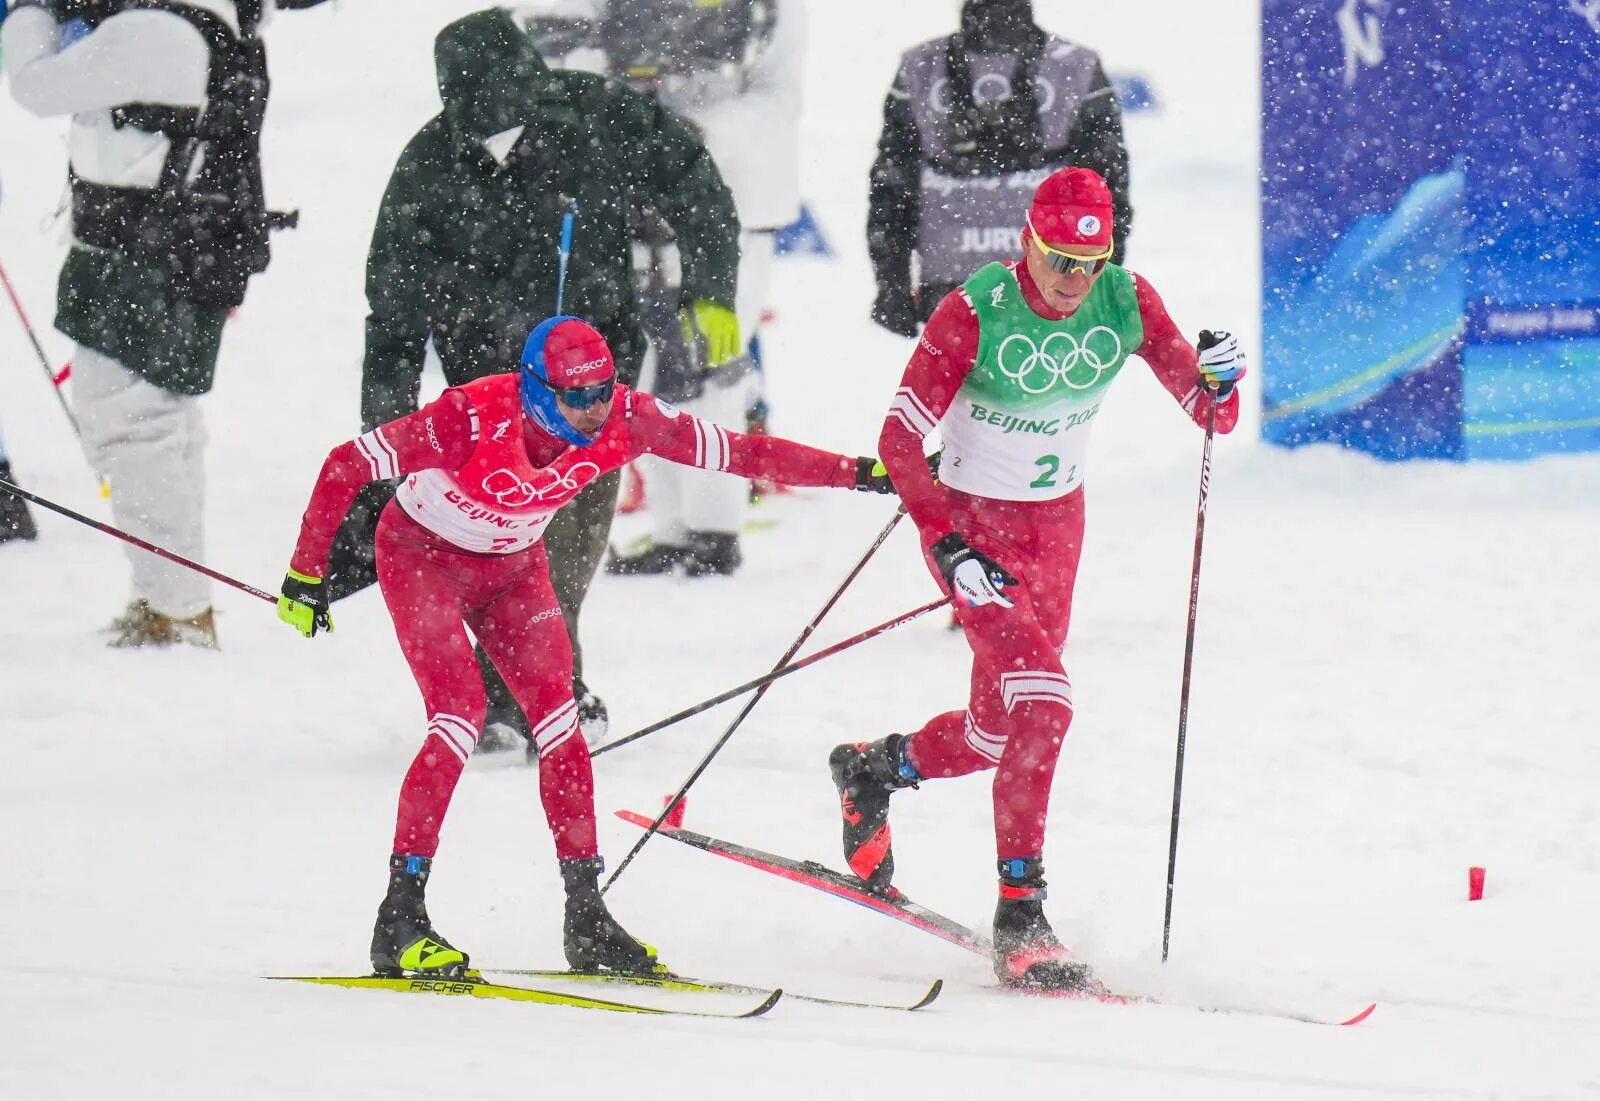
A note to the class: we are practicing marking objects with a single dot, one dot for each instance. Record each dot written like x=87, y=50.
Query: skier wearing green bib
x=1012, y=369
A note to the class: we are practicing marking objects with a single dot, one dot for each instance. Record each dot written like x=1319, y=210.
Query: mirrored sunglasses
x=582, y=397
x=1065, y=263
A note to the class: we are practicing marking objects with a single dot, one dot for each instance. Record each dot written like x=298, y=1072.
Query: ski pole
x=778, y=674
x=56, y=377
x=44, y=502
x=566, y=252
x=761, y=682
x=794, y=648
x=1188, y=668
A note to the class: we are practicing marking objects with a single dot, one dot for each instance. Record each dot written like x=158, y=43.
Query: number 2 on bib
x=1049, y=466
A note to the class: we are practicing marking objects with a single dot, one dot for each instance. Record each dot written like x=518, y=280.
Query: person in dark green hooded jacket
x=465, y=254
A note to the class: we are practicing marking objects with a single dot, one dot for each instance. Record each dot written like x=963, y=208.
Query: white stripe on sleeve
x=380, y=454
x=719, y=447
x=910, y=410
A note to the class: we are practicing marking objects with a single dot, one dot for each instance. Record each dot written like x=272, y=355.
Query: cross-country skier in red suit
x=486, y=466
x=1012, y=369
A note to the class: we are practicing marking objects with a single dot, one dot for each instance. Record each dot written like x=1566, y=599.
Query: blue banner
x=1531, y=367
x=1431, y=226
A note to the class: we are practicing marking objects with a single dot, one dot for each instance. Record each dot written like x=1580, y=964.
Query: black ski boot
x=658, y=558
x=1026, y=951
x=590, y=936
x=866, y=774
x=403, y=940
x=15, y=520
x=713, y=554
x=593, y=719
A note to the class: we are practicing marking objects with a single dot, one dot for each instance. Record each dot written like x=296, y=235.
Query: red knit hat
x=575, y=354
x=1072, y=209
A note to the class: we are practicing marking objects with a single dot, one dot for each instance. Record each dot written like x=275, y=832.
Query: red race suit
x=1020, y=700
x=459, y=547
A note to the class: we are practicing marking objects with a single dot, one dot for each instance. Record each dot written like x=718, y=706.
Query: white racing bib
x=1018, y=429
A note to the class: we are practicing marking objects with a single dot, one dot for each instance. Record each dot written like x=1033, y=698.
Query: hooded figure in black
x=465, y=254
x=973, y=122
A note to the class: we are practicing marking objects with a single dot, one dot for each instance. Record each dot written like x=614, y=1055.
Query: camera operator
x=169, y=223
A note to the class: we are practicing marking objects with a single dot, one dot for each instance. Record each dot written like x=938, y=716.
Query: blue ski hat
x=568, y=354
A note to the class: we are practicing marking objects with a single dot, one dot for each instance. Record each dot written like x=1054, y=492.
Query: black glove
x=971, y=576
x=896, y=310
x=872, y=476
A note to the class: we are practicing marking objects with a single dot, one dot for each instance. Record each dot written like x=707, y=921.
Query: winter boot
x=1026, y=951
x=137, y=610
x=141, y=626
x=498, y=737
x=712, y=554
x=656, y=558
x=590, y=936
x=593, y=718
x=403, y=940
x=866, y=774
x=16, y=522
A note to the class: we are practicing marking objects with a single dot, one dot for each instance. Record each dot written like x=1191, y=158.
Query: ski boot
x=593, y=719
x=866, y=774
x=403, y=940
x=655, y=558
x=1026, y=951
x=713, y=554
x=15, y=520
x=500, y=737
x=590, y=936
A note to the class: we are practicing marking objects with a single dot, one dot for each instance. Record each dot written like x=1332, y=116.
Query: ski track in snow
x=1387, y=689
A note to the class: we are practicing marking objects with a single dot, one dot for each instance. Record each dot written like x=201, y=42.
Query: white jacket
x=132, y=57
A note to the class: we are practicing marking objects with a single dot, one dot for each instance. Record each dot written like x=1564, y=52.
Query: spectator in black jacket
x=971, y=125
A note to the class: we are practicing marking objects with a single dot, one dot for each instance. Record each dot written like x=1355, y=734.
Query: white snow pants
x=148, y=443
x=682, y=498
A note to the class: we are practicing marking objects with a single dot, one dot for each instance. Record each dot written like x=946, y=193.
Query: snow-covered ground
x=1390, y=686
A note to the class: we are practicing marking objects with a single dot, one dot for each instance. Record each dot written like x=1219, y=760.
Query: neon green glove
x=303, y=604
x=717, y=325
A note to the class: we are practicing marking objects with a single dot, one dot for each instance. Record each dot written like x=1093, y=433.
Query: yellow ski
x=669, y=981
x=474, y=986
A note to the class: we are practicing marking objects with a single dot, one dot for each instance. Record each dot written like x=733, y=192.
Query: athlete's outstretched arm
x=657, y=429
x=1175, y=363
x=442, y=433
x=944, y=355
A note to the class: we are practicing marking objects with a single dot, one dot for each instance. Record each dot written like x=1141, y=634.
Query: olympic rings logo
x=512, y=492
x=1061, y=358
